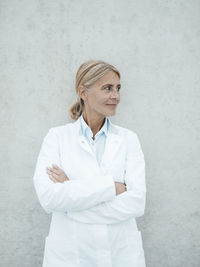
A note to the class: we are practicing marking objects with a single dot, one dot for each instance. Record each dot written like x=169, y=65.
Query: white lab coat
x=90, y=225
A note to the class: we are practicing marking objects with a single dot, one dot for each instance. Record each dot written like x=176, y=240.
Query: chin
x=111, y=113
x=107, y=112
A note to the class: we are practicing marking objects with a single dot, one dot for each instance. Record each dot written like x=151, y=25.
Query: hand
x=56, y=174
x=120, y=188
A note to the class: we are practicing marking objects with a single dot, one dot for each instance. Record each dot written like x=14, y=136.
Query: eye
x=118, y=89
x=107, y=87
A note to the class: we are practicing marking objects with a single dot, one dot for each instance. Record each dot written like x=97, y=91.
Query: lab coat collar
x=113, y=140
x=85, y=127
x=111, y=128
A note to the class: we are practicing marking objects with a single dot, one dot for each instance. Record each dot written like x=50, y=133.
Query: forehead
x=109, y=77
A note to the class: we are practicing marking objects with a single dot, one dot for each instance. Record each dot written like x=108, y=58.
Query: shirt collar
x=85, y=128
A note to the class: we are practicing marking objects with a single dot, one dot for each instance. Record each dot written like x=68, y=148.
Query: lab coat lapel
x=84, y=144
x=81, y=139
x=113, y=141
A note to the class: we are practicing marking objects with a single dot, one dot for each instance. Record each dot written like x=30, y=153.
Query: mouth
x=112, y=105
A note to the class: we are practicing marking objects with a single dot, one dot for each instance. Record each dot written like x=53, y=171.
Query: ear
x=82, y=92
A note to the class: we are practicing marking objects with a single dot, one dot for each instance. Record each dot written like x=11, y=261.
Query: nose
x=115, y=94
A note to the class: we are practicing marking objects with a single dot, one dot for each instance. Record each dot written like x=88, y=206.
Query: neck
x=94, y=122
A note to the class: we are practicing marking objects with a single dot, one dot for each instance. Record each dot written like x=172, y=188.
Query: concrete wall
x=155, y=45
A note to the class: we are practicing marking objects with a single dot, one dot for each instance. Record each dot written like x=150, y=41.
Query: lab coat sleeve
x=72, y=195
x=128, y=204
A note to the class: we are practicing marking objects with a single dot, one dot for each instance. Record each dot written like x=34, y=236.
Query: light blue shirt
x=98, y=144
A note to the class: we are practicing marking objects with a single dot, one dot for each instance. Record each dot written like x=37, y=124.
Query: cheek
x=98, y=100
x=92, y=100
x=102, y=100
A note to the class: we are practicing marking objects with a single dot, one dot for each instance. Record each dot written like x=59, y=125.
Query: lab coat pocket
x=136, y=247
x=59, y=252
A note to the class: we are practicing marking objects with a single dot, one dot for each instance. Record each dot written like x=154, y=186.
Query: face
x=103, y=97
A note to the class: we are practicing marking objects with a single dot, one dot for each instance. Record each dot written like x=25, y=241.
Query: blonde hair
x=88, y=73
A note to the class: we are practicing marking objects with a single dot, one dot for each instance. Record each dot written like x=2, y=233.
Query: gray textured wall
x=155, y=44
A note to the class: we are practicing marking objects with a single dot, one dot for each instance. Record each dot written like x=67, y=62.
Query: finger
x=55, y=179
x=54, y=170
x=55, y=166
x=58, y=178
x=51, y=171
x=55, y=176
x=51, y=178
x=60, y=173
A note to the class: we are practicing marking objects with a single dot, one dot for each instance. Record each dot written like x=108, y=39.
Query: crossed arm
x=91, y=200
x=57, y=175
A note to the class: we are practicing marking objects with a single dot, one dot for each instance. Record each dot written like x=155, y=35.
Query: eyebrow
x=111, y=84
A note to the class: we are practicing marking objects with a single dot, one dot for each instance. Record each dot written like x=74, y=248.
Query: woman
x=90, y=174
